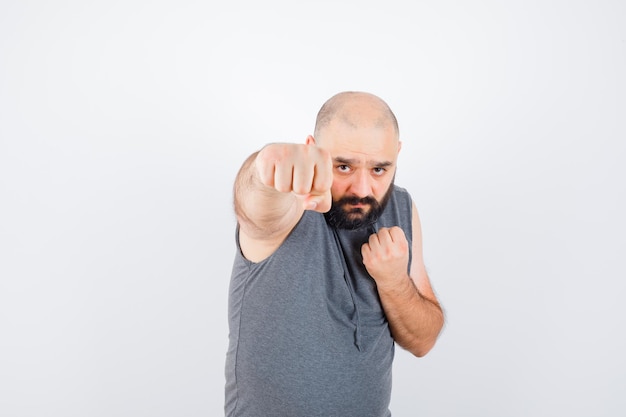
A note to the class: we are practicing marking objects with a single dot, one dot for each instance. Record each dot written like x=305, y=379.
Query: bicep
x=418, y=269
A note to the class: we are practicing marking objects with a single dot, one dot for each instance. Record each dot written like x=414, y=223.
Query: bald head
x=355, y=109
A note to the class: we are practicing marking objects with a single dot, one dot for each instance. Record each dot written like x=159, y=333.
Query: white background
x=123, y=123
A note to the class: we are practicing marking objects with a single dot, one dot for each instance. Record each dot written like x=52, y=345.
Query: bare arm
x=410, y=304
x=273, y=188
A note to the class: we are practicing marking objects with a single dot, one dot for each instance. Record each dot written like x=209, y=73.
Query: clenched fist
x=386, y=254
x=304, y=169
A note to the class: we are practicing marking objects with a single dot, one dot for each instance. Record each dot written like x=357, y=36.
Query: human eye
x=379, y=171
x=343, y=168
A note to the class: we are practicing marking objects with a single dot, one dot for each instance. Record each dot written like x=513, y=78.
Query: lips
x=355, y=208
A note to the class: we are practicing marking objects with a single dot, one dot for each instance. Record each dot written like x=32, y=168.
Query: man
x=328, y=272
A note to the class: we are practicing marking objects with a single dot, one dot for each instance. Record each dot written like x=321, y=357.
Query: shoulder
x=401, y=193
x=400, y=203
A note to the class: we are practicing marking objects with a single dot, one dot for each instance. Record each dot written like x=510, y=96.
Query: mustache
x=353, y=200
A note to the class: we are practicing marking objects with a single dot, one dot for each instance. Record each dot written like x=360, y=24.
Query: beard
x=341, y=217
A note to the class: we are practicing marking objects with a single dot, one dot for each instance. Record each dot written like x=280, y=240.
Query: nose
x=360, y=185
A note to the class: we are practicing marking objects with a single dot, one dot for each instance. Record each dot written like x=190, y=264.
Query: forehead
x=364, y=142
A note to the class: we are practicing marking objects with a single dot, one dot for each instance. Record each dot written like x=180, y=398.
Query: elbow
x=422, y=345
x=421, y=349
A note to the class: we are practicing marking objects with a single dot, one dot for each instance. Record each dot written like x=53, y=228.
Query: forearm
x=415, y=321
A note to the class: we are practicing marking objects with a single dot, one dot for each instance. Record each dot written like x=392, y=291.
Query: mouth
x=357, y=209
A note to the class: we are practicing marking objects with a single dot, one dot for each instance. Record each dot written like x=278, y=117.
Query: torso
x=308, y=336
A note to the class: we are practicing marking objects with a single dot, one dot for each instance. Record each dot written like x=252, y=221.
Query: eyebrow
x=353, y=161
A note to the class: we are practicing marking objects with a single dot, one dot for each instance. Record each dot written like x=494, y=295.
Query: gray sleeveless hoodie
x=308, y=336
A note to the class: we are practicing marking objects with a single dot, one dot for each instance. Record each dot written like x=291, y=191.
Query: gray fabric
x=308, y=336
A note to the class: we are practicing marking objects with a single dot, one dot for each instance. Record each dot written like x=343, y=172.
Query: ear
x=310, y=140
x=399, y=146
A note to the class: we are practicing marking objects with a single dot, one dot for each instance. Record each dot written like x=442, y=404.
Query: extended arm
x=410, y=304
x=273, y=188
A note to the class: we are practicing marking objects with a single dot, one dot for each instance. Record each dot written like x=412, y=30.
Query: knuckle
x=282, y=188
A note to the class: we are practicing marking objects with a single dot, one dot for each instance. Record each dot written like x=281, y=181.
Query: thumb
x=318, y=202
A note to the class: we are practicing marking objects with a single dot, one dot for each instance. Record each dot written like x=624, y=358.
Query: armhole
x=410, y=230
